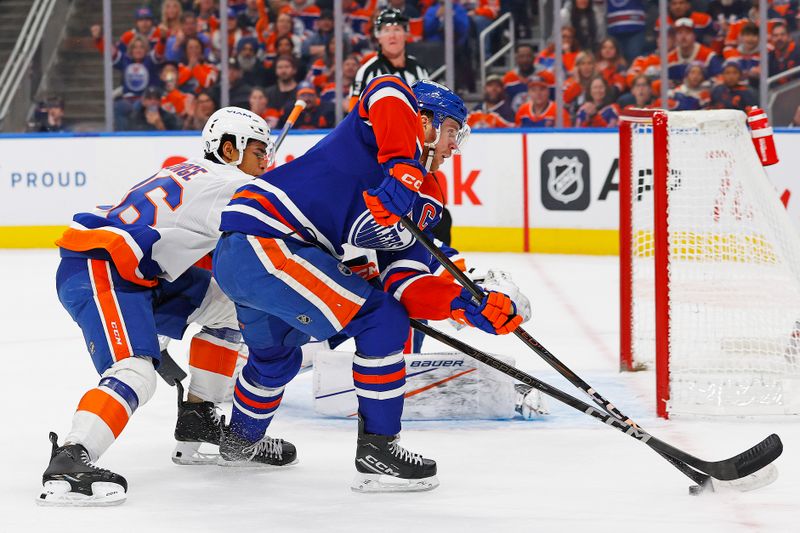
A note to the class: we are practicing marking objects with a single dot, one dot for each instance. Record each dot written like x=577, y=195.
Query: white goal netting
x=733, y=270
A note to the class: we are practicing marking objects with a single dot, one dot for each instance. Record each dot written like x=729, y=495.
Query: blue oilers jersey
x=318, y=197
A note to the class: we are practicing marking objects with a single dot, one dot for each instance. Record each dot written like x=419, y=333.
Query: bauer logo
x=436, y=363
x=565, y=180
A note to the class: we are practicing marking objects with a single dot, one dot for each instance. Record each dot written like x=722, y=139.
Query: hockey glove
x=494, y=314
x=395, y=196
x=500, y=281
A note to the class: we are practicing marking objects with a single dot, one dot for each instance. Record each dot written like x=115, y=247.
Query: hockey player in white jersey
x=126, y=276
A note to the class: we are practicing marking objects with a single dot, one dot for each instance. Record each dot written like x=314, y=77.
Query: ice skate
x=529, y=402
x=384, y=466
x=198, y=424
x=267, y=452
x=72, y=480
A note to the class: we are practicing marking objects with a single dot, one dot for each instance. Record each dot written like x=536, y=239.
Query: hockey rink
x=565, y=472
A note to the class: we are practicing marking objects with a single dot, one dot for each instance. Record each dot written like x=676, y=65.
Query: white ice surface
x=567, y=473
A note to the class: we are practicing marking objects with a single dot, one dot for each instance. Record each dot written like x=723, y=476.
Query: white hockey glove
x=500, y=281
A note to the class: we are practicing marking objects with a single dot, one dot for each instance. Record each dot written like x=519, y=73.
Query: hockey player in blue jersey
x=279, y=261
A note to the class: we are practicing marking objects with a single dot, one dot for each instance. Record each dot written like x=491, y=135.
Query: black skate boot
x=71, y=479
x=384, y=466
x=267, y=452
x=197, y=423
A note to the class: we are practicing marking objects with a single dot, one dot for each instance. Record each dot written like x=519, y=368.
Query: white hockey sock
x=104, y=411
x=213, y=355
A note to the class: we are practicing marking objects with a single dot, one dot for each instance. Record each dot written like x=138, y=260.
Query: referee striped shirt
x=379, y=65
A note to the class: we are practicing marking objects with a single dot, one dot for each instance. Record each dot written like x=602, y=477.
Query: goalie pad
x=438, y=386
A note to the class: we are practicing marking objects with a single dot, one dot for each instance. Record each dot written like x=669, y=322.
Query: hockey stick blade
x=747, y=462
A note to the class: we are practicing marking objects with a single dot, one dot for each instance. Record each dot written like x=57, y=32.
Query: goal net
x=709, y=267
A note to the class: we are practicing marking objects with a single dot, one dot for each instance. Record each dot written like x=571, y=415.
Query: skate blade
x=251, y=464
x=369, y=483
x=188, y=453
x=59, y=494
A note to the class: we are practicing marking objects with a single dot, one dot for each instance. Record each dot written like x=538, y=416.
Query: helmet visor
x=462, y=136
x=268, y=154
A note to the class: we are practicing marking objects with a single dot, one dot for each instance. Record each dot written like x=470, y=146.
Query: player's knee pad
x=273, y=367
x=216, y=310
x=213, y=356
x=138, y=373
x=380, y=327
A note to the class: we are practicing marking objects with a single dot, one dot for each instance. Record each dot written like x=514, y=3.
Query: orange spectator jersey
x=485, y=8
x=207, y=23
x=196, y=78
x=176, y=102
x=516, y=85
x=154, y=38
x=482, y=119
x=262, y=24
x=308, y=14
x=572, y=90
x=614, y=78
x=359, y=20
x=270, y=50
x=272, y=116
x=528, y=117
x=703, y=24
x=735, y=28
x=484, y=116
x=650, y=66
x=547, y=58
x=318, y=74
x=705, y=56
x=746, y=60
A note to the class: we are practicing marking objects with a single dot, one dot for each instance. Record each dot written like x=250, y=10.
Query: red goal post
x=657, y=120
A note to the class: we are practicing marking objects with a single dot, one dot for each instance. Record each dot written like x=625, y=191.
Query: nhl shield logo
x=565, y=180
x=344, y=270
x=304, y=319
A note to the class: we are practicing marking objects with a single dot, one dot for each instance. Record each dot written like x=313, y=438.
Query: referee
x=391, y=30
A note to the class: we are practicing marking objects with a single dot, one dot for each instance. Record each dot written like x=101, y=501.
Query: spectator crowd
x=279, y=51
x=610, y=62
x=282, y=50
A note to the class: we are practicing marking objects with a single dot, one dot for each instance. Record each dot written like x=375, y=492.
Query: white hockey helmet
x=243, y=125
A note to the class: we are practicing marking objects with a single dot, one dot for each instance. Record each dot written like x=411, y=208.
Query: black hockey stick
x=169, y=370
x=769, y=449
x=739, y=466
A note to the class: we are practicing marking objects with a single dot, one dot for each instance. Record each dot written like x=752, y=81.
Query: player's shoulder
x=390, y=81
x=211, y=174
x=387, y=86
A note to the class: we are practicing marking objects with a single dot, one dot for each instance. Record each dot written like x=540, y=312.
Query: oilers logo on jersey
x=366, y=233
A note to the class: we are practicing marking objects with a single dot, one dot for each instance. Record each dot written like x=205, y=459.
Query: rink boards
x=517, y=190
